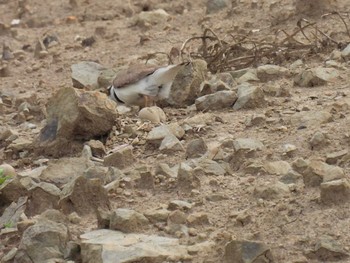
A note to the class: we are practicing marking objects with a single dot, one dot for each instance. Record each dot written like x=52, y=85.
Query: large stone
x=318, y=172
x=186, y=178
x=335, y=192
x=210, y=167
x=42, y=196
x=157, y=134
x=85, y=74
x=83, y=196
x=271, y=72
x=13, y=212
x=247, y=145
x=196, y=148
x=64, y=170
x=44, y=241
x=249, y=97
x=127, y=220
x=241, y=251
x=310, y=118
x=108, y=246
x=277, y=167
x=315, y=77
x=122, y=157
x=171, y=144
x=78, y=114
x=271, y=191
x=186, y=85
x=326, y=249
x=218, y=100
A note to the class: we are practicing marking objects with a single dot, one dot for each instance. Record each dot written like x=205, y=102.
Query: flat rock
x=242, y=251
x=218, y=100
x=157, y=215
x=64, y=170
x=171, y=144
x=271, y=72
x=271, y=191
x=85, y=74
x=108, y=246
x=335, y=192
x=277, y=167
x=121, y=157
x=318, y=172
x=310, y=118
x=179, y=205
x=247, y=145
x=157, y=134
x=249, y=97
x=248, y=76
x=210, y=167
x=315, y=77
x=127, y=221
x=335, y=157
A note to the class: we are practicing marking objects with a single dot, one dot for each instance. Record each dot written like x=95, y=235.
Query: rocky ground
x=247, y=161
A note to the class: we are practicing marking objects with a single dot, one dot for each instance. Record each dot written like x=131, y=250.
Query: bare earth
x=288, y=225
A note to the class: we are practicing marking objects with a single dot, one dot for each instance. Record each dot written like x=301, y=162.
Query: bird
x=142, y=85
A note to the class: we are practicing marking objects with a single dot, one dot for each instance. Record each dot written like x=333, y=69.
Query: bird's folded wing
x=132, y=75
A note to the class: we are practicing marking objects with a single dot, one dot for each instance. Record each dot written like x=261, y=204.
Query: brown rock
x=121, y=158
x=335, y=192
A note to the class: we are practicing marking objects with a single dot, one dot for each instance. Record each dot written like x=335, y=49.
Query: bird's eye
x=159, y=87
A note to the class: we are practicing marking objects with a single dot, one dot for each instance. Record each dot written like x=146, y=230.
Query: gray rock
x=249, y=97
x=318, y=172
x=105, y=78
x=210, y=167
x=255, y=120
x=107, y=246
x=75, y=114
x=176, y=217
x=275, y=89
x=318, y=139
x=186, y=85
x=247, y=145
x=335, y=157
x=44, y=241
x=186, y=178
x=277, y=167
x=346, y=53
x=310, y=118
x=196, y=148
x=271, y=72
x=164, y=169
x=179, y=205
x=327, y=249
x=214, y=85
x=271, y=191
x=335, y=192
x=196, y=219
x=97, y=148
x=157, y=215
x=249, y=76
x=218, y=100
x=127, y=221
x=171, y=144
x=42, y=196
x=121, y=157
x=157, y=134
x=85, y=74
x=13, y=212
x=315, y=77
x=214, y=6
x=242, y=251
x=76, y=196
x=63, y=170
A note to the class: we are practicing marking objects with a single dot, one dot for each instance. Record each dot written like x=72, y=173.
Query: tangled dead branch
x=243, y=51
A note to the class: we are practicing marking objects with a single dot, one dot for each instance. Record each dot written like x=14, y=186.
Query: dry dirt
x=288, y=225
